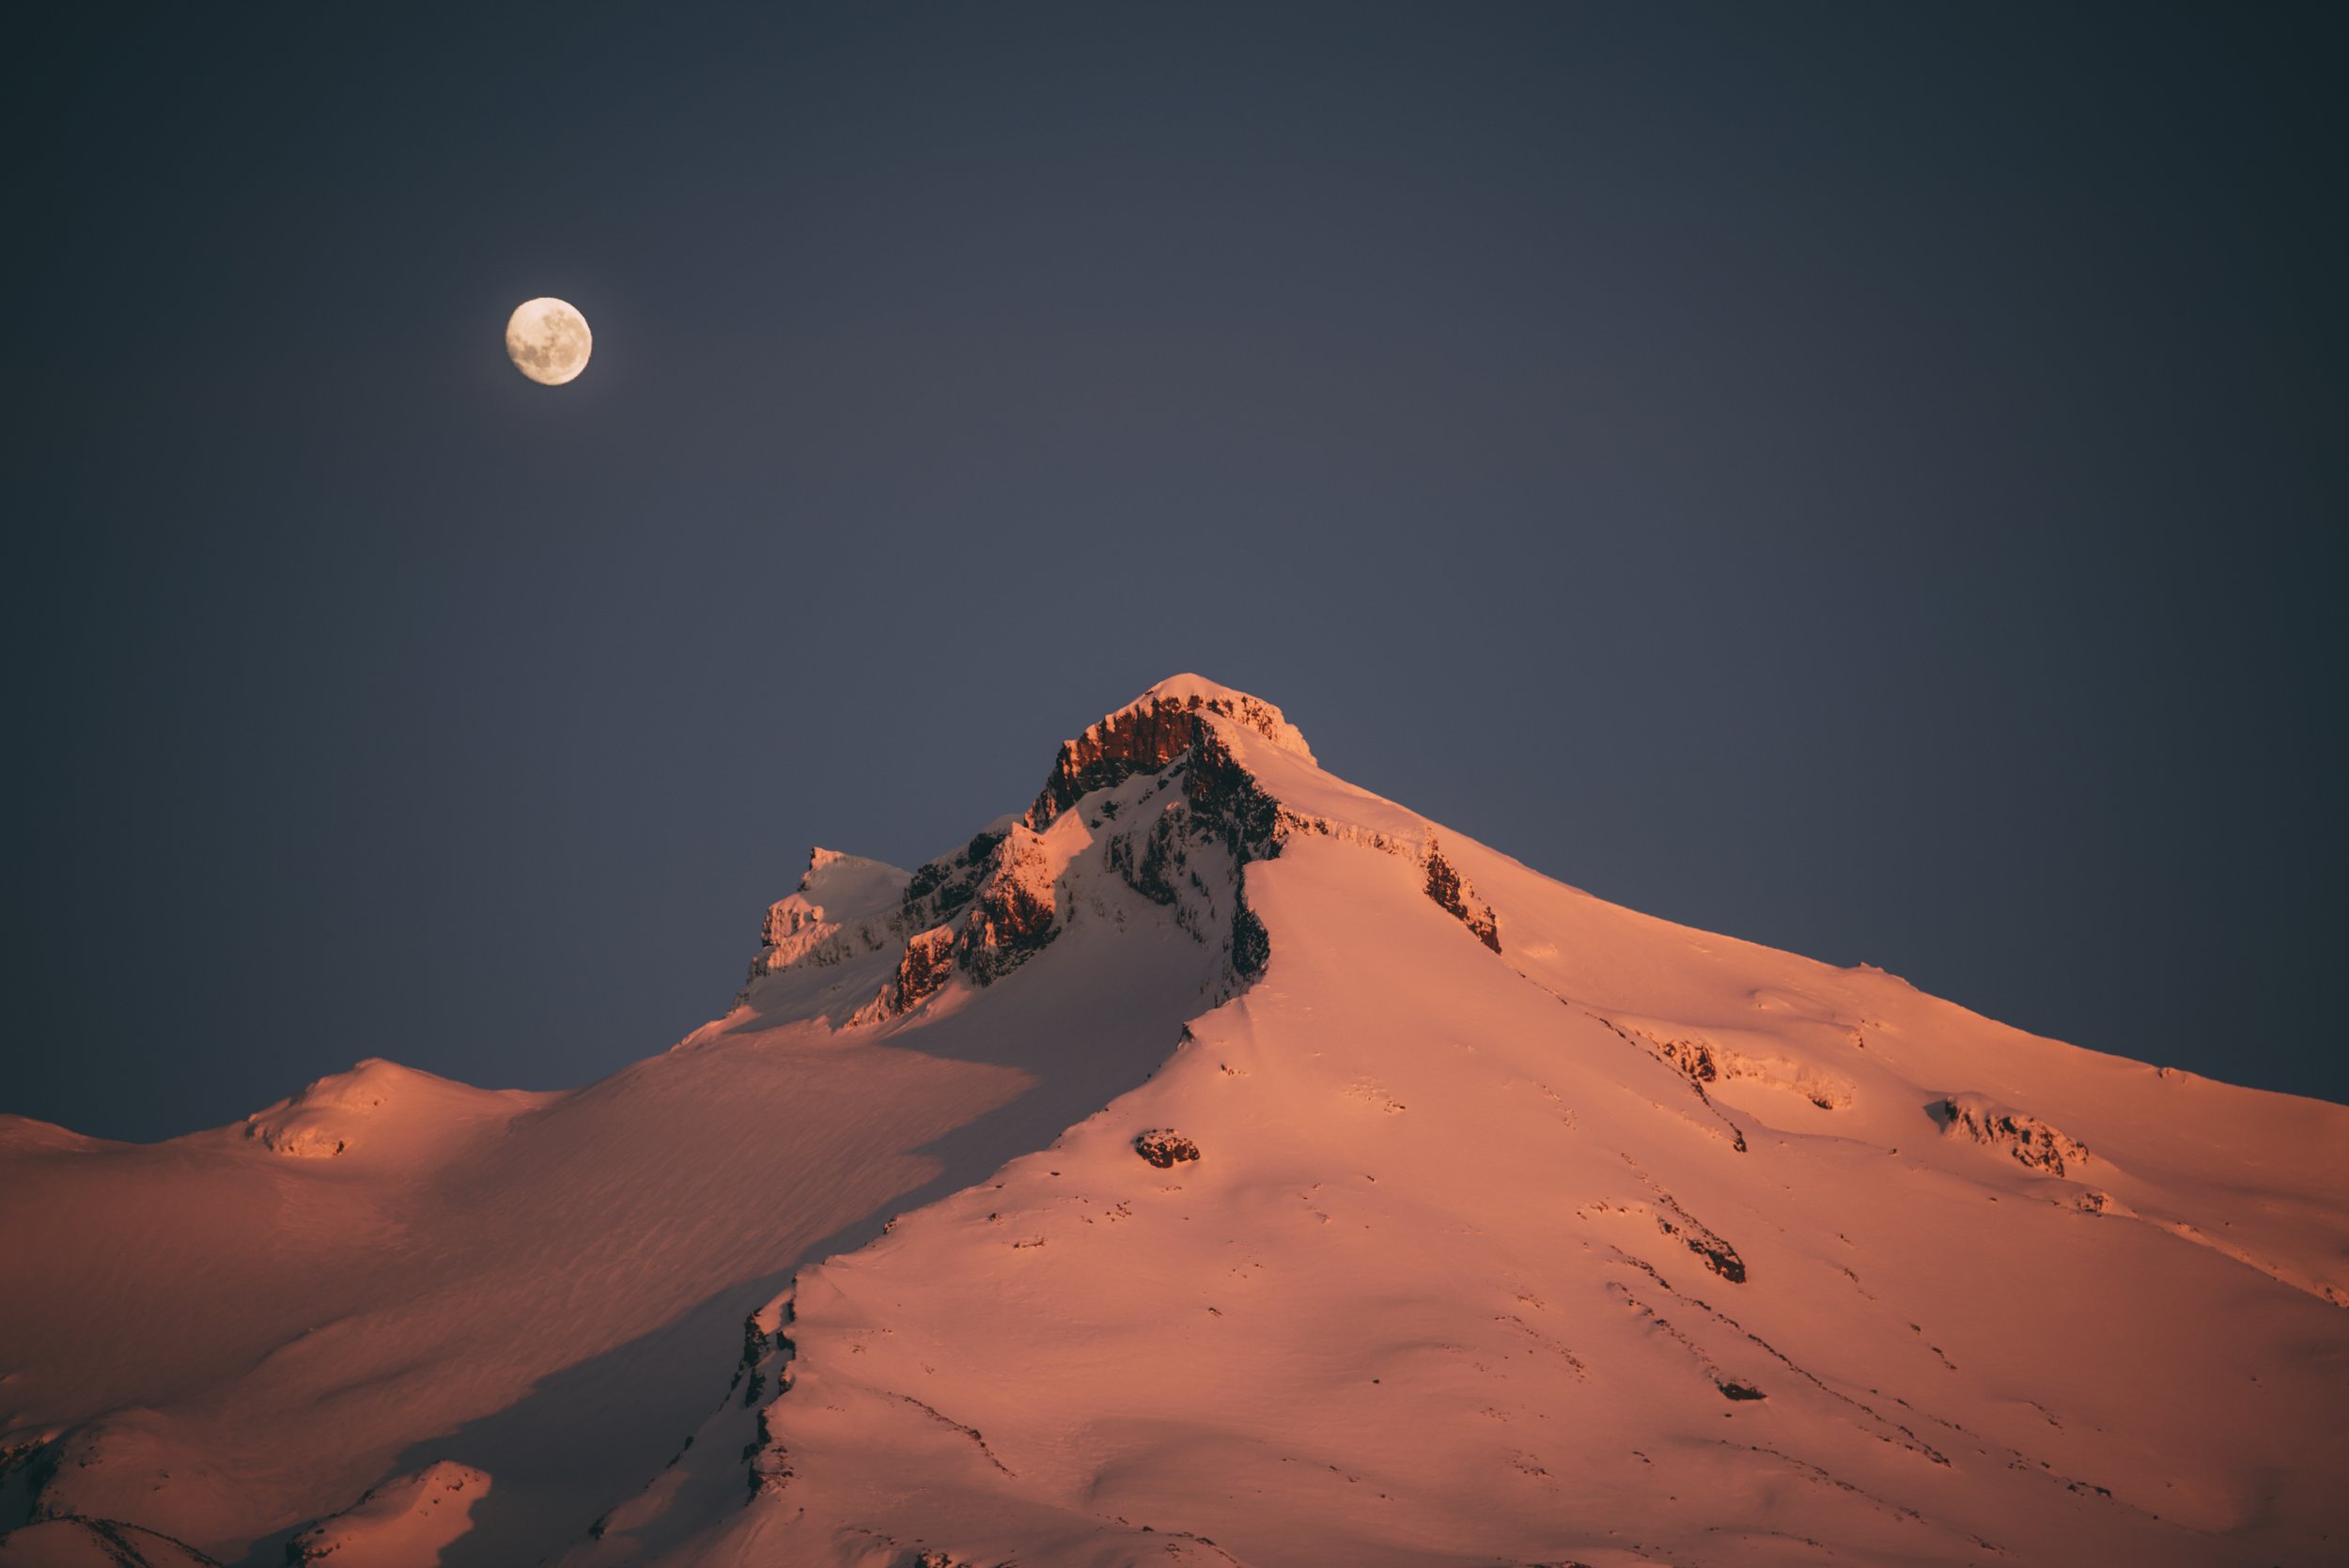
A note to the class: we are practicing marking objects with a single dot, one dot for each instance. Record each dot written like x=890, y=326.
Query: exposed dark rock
x=767, y=1465
x=1732, y=1388
x=2031, y=1140
x=755, y=1346
x=1012, y=914
x=1694, y=1057
x=929, y=963
x=1150, y=870
x=1226, y=802
x=768, y=1462
x=1718, y=1255
x=1164, y=1147
x=1143, y=738
x=943, y=887
x=1252, y=945
x=988, y=907
x=1445, y=886
x=1160, y=856
x=998, y=888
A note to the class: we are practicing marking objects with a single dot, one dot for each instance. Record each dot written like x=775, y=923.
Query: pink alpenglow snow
x=1210, y=1162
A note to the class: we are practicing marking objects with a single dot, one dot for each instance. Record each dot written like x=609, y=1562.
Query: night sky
x=1870, y=479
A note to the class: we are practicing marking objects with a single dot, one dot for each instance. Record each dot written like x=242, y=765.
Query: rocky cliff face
x=982, y=911
x=1197, y=818
x=1144, y=736
x=1452, y=895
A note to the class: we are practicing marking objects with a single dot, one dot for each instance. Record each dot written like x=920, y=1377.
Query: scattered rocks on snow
x=1717, y=1255
x=1150, y=870
x=1165, y=1148
x=1702, y=1062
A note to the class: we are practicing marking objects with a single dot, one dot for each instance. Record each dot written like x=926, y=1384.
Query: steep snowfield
x=1522, y=1229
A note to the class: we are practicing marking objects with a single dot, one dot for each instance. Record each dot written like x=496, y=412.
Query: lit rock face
x=1454, y=896
x=987, y=908
x=1011, y=916
x=1147, y=734
x=984, y=909
x=998, y=891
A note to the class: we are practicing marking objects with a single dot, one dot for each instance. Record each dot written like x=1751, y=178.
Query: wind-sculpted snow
x=842, y=907
x=1221, y=1164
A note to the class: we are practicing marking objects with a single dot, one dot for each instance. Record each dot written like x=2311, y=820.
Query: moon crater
x=548, y=340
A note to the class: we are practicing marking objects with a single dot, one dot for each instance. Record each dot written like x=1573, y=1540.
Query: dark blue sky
x=1866, y=479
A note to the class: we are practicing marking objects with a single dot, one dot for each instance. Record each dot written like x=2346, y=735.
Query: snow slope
x=1522, y=1229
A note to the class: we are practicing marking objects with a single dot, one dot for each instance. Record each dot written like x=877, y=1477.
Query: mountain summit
x=1216, y=1163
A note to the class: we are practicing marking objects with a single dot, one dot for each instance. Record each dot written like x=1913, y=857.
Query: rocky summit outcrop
x=1197, y=816
x=1147, y=734
x=1172, y=806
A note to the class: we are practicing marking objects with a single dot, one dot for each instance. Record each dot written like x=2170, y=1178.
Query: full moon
x=548, y=341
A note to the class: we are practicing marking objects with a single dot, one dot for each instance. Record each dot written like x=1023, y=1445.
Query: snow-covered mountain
x=1214, y=1164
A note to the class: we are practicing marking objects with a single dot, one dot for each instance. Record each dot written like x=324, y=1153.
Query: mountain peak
x=1152, y=730
x=1197, y=692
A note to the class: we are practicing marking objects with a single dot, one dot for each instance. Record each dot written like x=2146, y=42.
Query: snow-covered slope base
x=1280, y=1179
